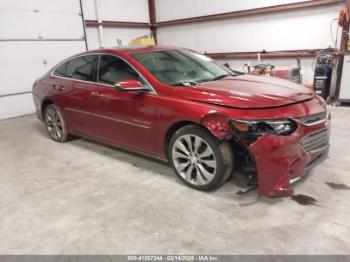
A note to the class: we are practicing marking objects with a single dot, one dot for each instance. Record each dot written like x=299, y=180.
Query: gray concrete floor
x=86, y=198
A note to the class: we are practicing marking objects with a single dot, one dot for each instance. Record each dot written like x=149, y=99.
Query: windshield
x=181, y=67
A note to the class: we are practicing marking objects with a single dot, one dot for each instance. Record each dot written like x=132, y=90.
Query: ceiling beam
x=250, y=12
x=265, y=55
x=93, y=23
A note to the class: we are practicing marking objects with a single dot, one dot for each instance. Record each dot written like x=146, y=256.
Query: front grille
x=312, y=119
x=315, y=141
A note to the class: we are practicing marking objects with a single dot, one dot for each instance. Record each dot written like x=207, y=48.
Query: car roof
x=132, y=49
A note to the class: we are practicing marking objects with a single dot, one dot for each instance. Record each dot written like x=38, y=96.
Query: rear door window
x=61, y=70
x=82, y=68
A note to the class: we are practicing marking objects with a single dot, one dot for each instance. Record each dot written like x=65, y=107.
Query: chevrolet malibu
x=181, y=106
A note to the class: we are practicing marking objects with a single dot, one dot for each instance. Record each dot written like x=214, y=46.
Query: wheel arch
x=217, y=124
x=172, y=129
x=44, y=104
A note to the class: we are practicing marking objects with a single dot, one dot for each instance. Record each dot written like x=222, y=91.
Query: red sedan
x=181, y=106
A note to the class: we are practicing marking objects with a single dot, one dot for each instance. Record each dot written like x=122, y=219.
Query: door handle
x=96, y=94
x=58, y=87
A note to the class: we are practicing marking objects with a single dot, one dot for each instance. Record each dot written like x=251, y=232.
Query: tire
x=200, y=160
x=55, y=124
x=337, y=103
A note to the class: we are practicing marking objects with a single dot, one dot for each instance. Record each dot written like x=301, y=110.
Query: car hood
x=247, y=91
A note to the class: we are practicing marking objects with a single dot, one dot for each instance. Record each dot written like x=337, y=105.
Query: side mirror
x=130, y=85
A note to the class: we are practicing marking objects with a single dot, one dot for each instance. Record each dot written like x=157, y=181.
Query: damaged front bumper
x=282, y=160
x=275, y=153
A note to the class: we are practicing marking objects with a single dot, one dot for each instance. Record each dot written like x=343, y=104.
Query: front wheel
x=202, y=161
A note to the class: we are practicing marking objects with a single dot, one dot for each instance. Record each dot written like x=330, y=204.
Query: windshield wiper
x=220, y=77
x=185, y=83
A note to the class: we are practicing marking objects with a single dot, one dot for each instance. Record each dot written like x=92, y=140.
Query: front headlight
x=279, y=127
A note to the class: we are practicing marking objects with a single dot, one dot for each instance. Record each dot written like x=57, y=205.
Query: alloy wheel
x=194, y=159
x=54, y=124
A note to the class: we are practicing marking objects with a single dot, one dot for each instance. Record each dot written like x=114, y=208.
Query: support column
x=152, y=18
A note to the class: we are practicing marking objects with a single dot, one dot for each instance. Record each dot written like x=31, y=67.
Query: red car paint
x=142, y=121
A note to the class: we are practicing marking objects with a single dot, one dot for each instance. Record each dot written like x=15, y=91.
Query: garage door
x=34, y=36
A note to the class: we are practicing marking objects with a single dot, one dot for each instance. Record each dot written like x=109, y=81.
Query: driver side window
x=112, y=69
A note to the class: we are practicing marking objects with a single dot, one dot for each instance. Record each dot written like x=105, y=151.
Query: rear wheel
x=202, y=161
x=55, y=124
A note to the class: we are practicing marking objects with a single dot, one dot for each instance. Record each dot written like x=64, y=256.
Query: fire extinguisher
x=343, y=21
x=343, y=17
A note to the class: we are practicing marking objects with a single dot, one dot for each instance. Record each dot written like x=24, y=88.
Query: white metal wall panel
x=125, y=10
x=110, y=36
x=31, y=19
x=92, y=38
x=23, y=62
x=24, y=57
x=11, y=106
x=56, y=26
x=302, y=29
x=89, y=9
x=118, y=10
x=170, y=9
x=61, y=6
x=345, y=80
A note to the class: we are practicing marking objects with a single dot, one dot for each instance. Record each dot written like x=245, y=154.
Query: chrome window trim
x=66, y=61
x=152, y=90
